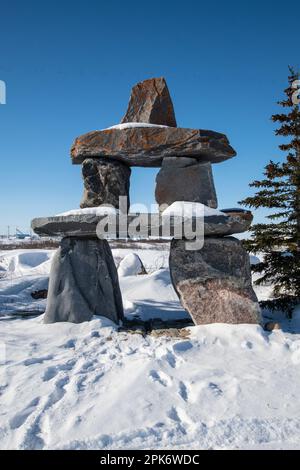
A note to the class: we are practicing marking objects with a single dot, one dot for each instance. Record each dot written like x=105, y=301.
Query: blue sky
x=69, y=67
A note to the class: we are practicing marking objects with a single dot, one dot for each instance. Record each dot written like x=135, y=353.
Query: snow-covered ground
x=89, y=386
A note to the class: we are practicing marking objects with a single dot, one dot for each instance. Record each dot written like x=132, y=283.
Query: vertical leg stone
x=214, y=283
x=185, y=179
x=104, y=182
x=83, y=282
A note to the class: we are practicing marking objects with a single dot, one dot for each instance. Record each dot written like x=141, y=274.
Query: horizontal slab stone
x=147, y=146
x=85, y=225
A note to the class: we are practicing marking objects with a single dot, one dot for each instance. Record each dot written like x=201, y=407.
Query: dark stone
x=85, y=225
x=147, y=146
x=242, y=214
x=234, y=210
x=104, y=182
x=39, y=294
x=214, y=283
x=188, y=180
x=271, y=325
x=83, y=282
x=150, y=102
x=178, y=162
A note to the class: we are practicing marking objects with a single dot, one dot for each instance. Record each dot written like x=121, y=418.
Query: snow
x=190, y=209
x=16, y=263
x=101, y=210
x=178, y=208
x=131, y=265
x=153, y=256
x=254, y=259
x=131, y=125
x=151, y=296
x=22, y=272
x=89, y=386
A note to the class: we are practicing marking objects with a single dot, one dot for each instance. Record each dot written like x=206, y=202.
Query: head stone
x=150, y=102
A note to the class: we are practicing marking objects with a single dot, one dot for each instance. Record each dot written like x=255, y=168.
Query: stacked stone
x=213, y=283
x=83, y=282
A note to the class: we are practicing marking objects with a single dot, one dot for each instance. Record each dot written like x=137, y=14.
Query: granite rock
x=83, y=282
x=214, y=283
x=104, y=182
x=147, y=146
x=150, y=102
x=188, y=180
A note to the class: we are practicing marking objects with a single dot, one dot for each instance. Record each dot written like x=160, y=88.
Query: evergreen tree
x=279, y=191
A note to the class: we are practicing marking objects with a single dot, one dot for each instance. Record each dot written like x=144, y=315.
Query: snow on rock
x=16, y=263
x=21, y=273
x=131, y=265
x=100, y=210
x=131, y=125
x=153, y=256
x=190, y=209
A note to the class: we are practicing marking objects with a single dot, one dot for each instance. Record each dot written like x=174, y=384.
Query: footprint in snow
x=247, y=345
x=80, y=383
x=37, y=360
x=57, y=393
x=183, y=392
x=182, y=346
x=160, y=377
x=171, y=359
x=52, y=371
x=20, y=418
x=215, y=389
x=179, y=416
x=98, y=377
x=49, y=373
x=3, y=388
x=173, y=415
x=95, y=334
x=70, y=344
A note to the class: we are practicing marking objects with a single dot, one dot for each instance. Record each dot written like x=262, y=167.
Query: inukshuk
x=214, y=282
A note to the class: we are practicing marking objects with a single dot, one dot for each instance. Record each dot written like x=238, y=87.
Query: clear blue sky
x=69, y=67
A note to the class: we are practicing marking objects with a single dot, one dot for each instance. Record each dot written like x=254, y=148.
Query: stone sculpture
x=213, y=283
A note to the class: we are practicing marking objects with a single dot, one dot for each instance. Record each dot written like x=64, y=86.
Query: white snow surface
x=22, y=272
x=130, y=125
x=16, y=263
x=131, y=265
x=100, y=210
x=88, y=386
x=190, y=209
